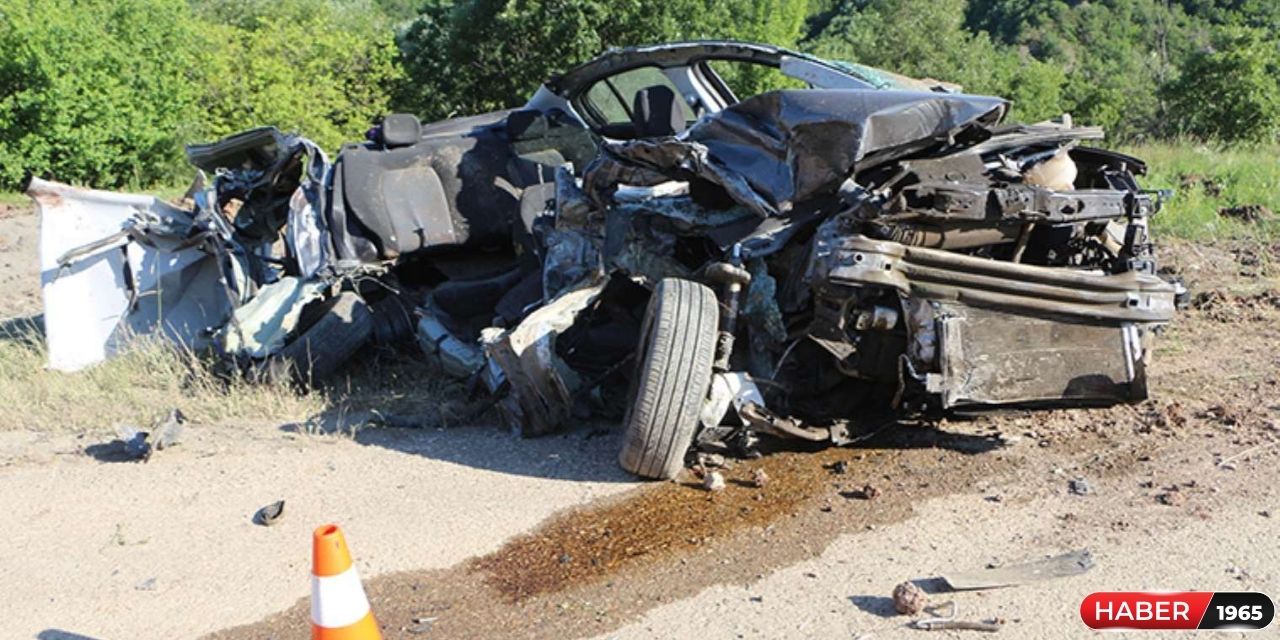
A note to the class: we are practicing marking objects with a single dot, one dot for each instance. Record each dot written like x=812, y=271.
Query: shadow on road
x=875, y=605
x=585, y=453
x=59, y=634
x=26, y=331
x=393, y=403
x=924, y=436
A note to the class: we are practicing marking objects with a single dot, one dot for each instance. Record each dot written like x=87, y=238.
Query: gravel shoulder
x=168, y=549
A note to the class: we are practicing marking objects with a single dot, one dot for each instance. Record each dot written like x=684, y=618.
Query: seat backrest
x=398, y=196
x=657, y=112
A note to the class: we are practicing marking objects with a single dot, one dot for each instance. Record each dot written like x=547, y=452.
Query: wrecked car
x=641, y=243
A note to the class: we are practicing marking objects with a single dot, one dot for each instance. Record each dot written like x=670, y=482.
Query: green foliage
x=96, y=91
x=927, y=39
x=106, y=91
x=776, y=22
x=1229, y=91
x=919, y=38
x=1207, y=178
x=322, y=69
x=475, y=56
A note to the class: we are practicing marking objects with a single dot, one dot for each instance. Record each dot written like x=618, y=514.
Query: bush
x=325, y=70
x=105, y=92
x=96, y=91
x=1229, y=91
x=927, y=39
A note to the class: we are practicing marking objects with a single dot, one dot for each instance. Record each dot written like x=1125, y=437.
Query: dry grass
x=153, y=376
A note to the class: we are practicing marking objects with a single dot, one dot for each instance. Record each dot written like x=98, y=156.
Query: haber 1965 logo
x=1172, y=610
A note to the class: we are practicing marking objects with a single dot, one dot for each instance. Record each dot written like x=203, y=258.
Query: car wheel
x=344, y=324
x=677, y=347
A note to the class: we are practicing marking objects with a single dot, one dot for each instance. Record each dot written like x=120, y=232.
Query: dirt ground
x=469, y=532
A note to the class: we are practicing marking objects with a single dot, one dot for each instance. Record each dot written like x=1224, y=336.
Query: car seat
x=657, y=112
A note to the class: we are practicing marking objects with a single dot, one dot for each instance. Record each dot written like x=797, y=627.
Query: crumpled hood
x=784, y=147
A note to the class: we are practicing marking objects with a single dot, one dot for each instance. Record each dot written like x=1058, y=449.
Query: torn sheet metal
x=458, y=358
x=730, y=389
x=572, y=261
x=283, y=183
x=115, y=266
x=306, y=233
x=261, y=326
x=781, y=148
x=1061, y=566
x=542, y=386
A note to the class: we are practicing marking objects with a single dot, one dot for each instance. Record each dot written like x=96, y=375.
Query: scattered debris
x=759, y=478
x=1079, y=487
x=1061, y=566
x=422, y=625
x=713, y=481
x=1247, y=213
x=136, y=444
x=1238, y=573
x=269, y=515
x=712, y=460
x=957, y=625
x=947, y=621
x=168, y=430
x=1172, y=497
x=867, y=492
x=1208, y=186
x=909, y=599
x=1229, y=462
x=146, y=585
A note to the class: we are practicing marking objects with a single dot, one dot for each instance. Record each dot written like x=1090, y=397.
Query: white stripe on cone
x=338, y=601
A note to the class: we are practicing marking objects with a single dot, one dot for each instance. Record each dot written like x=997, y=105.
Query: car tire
x=676, y=351
x=343, y=326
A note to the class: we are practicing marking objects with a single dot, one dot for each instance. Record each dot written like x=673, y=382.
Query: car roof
x=678, y=54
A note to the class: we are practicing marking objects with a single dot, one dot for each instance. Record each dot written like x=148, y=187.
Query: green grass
x=13, y=198
x=1243, y=175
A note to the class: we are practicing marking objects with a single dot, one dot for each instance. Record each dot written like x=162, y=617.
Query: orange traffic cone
x=339, y=608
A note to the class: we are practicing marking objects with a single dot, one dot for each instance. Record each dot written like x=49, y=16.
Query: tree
x=927, y=39
x=96, y=91
x=1114, y=53
x=1229, y=91
x=474, y=56
x=776, y=22
x=325, y=70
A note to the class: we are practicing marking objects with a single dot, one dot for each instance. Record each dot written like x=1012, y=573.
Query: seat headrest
x=401, y=130
x=657, y=111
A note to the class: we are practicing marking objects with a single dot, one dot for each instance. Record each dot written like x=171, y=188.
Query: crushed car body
x=641, y=243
